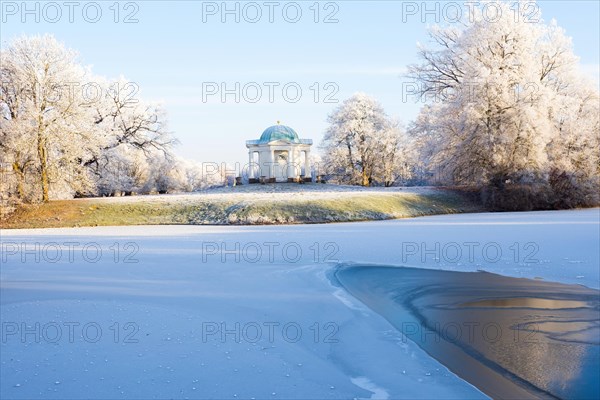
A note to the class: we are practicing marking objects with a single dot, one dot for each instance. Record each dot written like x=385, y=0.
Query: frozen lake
x=250, y=312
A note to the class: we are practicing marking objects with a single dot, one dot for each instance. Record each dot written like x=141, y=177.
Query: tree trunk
x=20, y=178
x=42, y=155
x=365, y=178
x=350, y=162
x=364, y=171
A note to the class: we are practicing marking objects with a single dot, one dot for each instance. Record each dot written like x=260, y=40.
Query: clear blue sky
x=171, y=53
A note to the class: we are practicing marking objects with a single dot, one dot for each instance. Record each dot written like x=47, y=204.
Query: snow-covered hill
x=247, y=205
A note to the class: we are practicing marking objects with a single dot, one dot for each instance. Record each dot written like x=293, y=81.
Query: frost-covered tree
x=125, y=120
x=120, y=171
x=46, y=123
x=134, y=132
x=65, y=132
x=18, y=158
x=574, y=150
x=395, y=152
x=361, y=145
x=196, y=176
x=502, y=95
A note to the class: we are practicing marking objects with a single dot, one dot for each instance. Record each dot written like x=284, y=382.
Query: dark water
x=510, y=337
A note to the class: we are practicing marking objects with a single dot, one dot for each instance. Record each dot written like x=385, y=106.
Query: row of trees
x=507, y=111
x=513, y=115
x=65, y=132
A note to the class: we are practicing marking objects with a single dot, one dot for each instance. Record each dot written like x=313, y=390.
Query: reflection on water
x=510, y=337
x=527, y=302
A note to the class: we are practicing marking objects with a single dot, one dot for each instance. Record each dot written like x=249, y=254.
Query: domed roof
x=279, y=132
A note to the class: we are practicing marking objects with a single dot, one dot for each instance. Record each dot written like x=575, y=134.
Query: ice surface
x=181, y=287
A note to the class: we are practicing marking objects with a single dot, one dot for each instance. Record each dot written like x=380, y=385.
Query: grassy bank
x=251, y=206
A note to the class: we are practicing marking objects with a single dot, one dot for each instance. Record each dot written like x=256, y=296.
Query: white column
x=263, y=163
x=250, y=159
x=307, y=172
x=291, y=168
x=272, y=164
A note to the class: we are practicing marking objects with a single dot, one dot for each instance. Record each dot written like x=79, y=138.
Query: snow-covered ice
x=249, y=312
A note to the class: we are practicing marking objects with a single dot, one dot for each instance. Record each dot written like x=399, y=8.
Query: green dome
x=279, y=132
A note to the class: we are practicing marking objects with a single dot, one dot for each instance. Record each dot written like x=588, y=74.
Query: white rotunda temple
x=279, y=156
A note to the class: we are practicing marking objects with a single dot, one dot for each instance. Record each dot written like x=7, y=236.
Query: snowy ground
x=274, y=192
x=249, y=312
